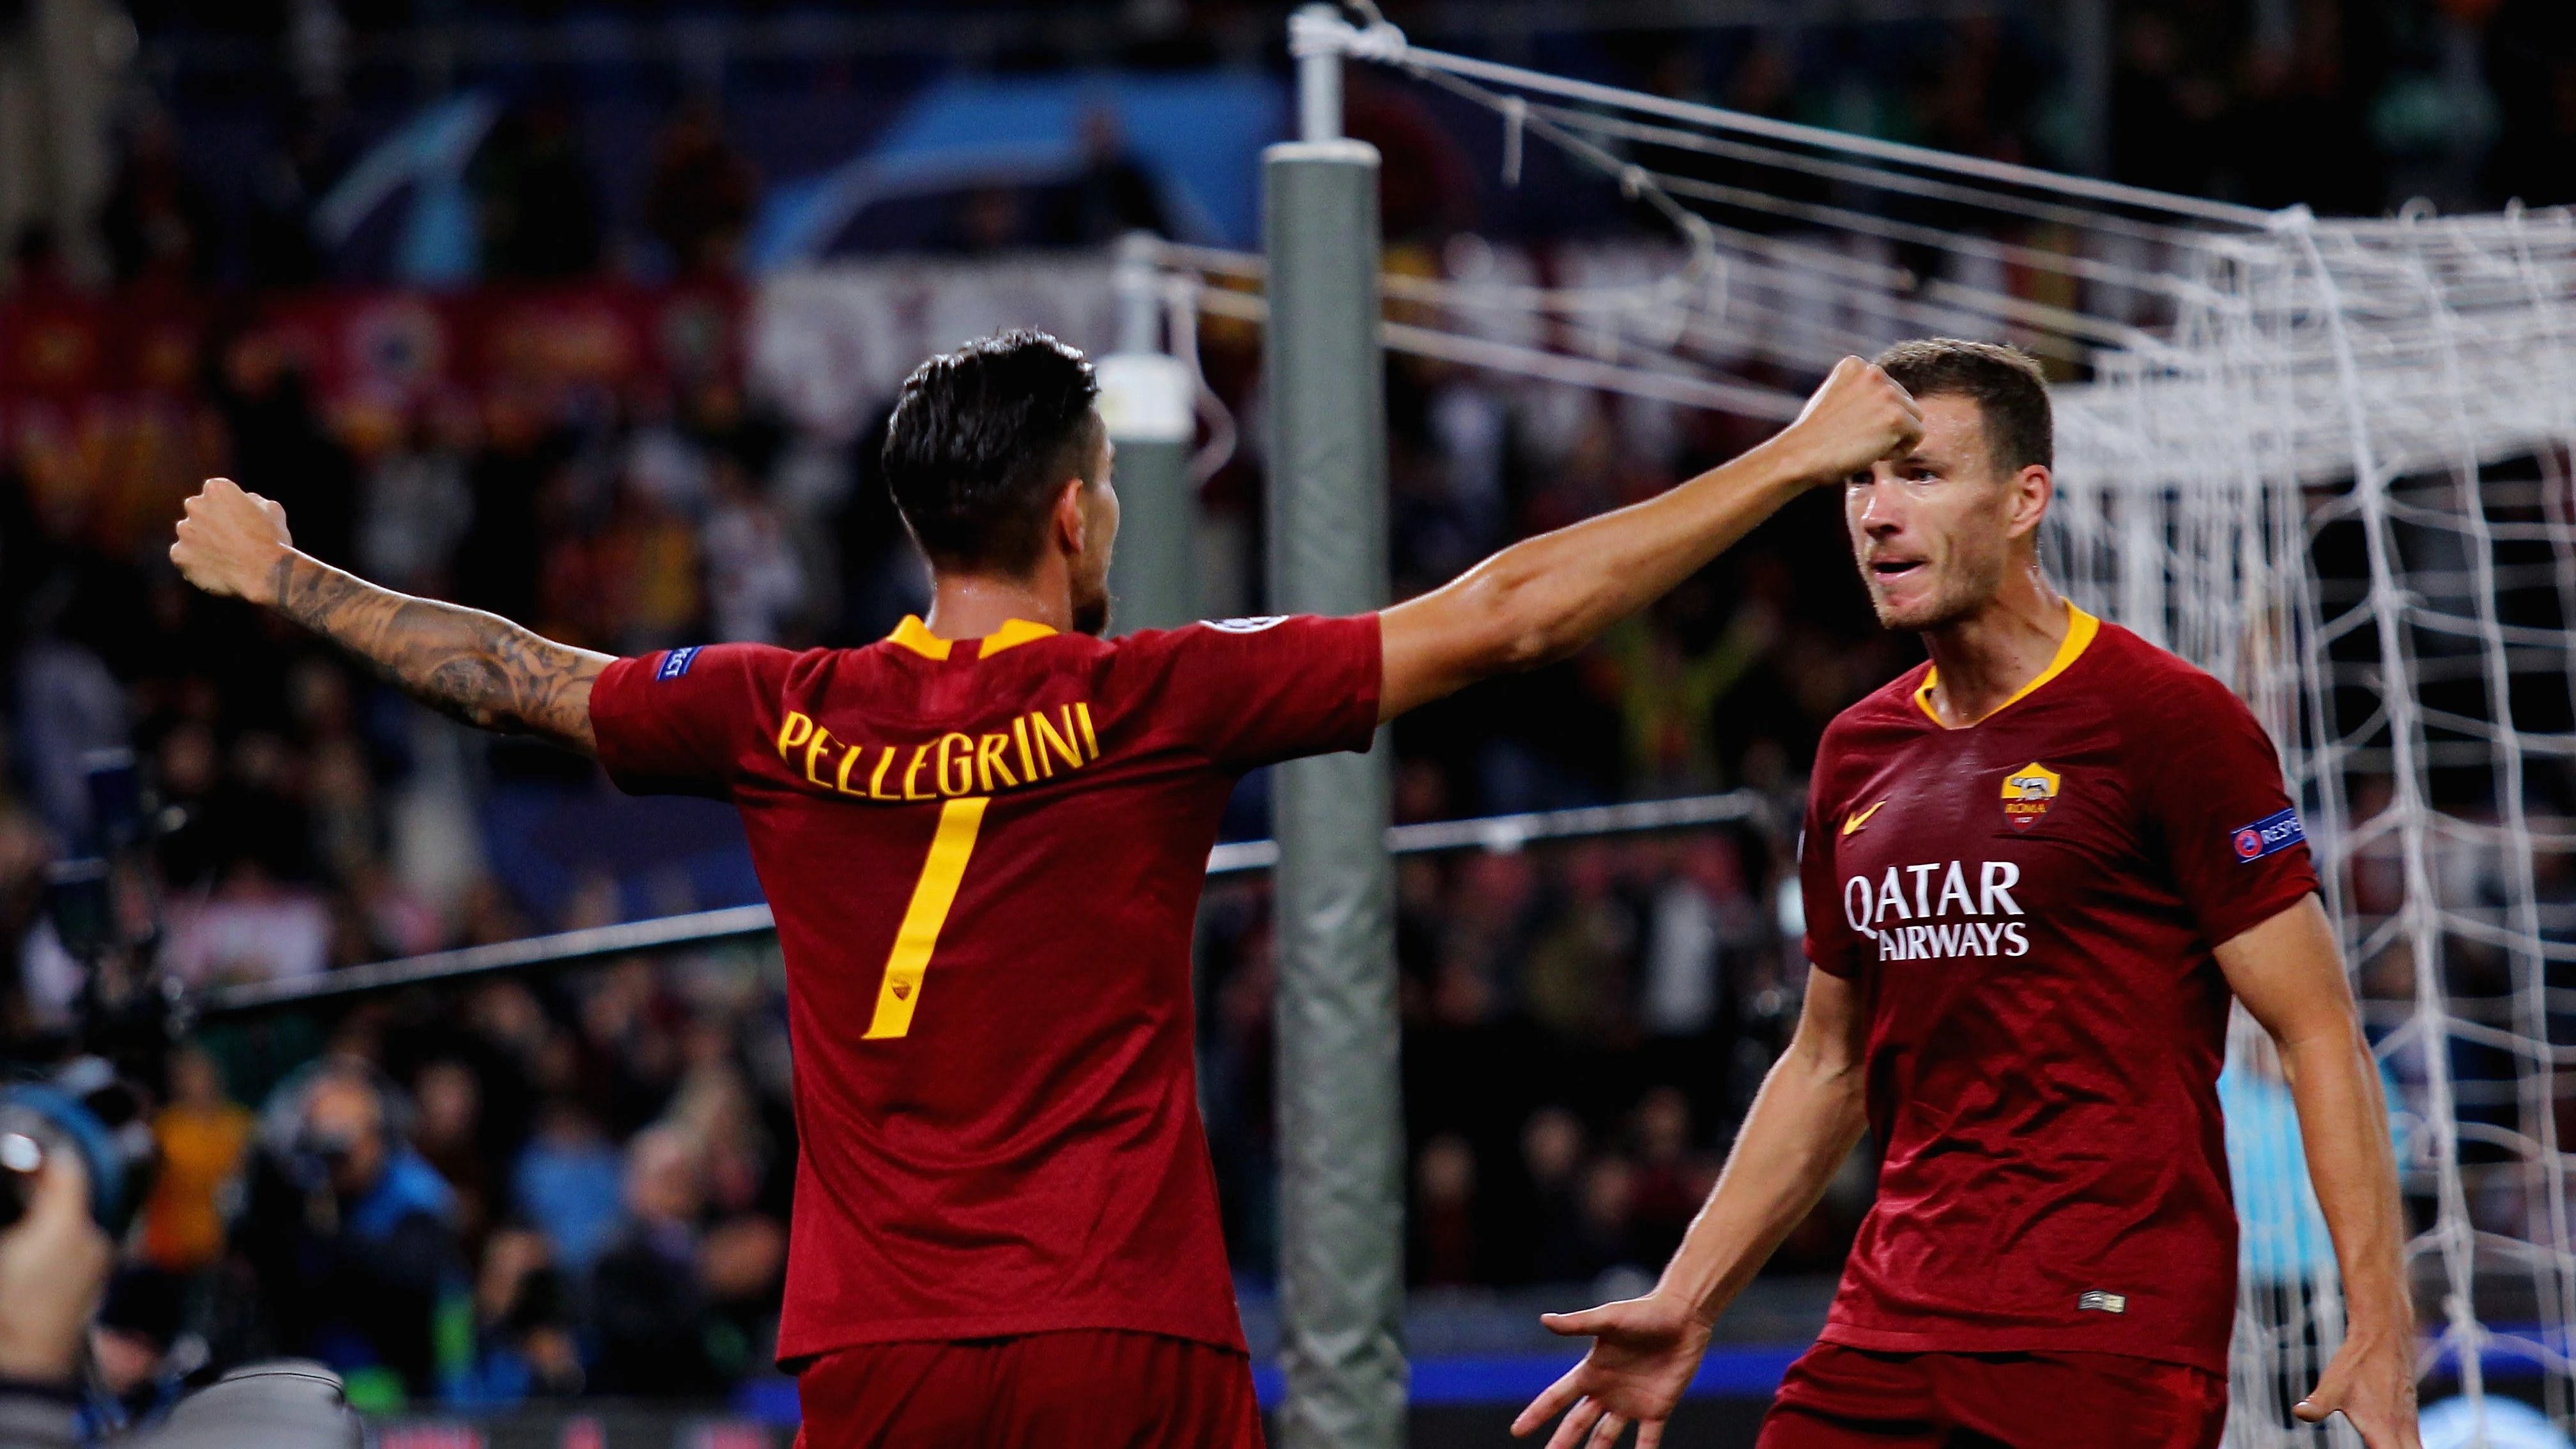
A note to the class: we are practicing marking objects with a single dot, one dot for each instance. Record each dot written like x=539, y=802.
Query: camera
x=94, y=1106
x=86, y=1110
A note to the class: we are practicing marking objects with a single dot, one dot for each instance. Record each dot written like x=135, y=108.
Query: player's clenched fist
x=1859, y=416
x=230, y=542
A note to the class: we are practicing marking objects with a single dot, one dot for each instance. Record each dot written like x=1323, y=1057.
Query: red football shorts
x=1836, y=1397
x=1080, y=1389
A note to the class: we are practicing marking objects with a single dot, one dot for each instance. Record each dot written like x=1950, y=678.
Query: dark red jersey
x=2028, y=905
x=985, y=860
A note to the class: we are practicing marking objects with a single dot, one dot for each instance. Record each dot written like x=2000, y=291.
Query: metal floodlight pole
x=1147, y=400
x=1341, y=1213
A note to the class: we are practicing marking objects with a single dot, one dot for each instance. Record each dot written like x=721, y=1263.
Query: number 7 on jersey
x=918, y=936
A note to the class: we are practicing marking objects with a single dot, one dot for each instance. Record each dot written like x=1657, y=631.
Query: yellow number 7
x=932, y=895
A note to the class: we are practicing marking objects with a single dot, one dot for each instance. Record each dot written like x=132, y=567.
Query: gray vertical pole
x=1340, y=1123
x=1146, y=399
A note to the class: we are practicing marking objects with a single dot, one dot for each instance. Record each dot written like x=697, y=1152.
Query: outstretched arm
x=1803, y=1124
x=2289, y=973
x=464, y=663
x=1546, y=597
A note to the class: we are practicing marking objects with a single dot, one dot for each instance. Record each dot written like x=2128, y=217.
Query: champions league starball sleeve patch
x=2264, y=836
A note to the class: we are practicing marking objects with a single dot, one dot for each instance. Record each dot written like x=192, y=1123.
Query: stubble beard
x=1970, y=586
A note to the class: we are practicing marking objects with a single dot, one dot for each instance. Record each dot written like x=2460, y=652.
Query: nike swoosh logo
x=1859, y=818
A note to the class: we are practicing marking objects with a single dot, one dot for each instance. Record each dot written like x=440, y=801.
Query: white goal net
x=2339, y=481
x=2327, y=460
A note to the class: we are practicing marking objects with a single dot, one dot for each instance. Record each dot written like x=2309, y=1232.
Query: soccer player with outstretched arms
x=983, y=839
x=2036, y=871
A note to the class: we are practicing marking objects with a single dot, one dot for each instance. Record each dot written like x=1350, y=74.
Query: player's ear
x=2032, y=488
x=1066, y=520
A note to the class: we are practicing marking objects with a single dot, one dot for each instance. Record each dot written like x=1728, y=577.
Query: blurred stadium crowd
x=580, y=1182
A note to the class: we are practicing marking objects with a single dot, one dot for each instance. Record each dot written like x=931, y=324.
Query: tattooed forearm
x=469, y=665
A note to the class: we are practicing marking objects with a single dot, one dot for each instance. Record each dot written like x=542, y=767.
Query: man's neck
x=1984, y=658
x=971, y=606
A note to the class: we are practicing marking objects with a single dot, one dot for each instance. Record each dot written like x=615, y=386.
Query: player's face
x=1099, y=534
x=1933, y=530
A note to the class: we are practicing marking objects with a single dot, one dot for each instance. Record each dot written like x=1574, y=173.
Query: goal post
x=1341, y=1209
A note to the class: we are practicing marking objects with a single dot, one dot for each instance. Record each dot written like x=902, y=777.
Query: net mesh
x=2340, y=484
x=2327, y=460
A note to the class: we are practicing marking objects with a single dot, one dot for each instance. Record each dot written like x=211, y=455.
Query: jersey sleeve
x=2218, y=811
x=1833, y=946
x=680, y=721
x=1250, y=692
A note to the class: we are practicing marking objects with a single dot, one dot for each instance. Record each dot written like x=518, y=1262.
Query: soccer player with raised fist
x=2037, y=870
x=983, y=838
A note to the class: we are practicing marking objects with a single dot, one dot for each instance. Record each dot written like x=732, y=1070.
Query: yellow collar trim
x=2080, y=629
x=915, y=635
x=1014, y=632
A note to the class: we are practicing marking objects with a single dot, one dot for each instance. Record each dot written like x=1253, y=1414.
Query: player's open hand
x=1859, y=416
x=1644, y=1352
x=230, y=542
x=2371, y=1382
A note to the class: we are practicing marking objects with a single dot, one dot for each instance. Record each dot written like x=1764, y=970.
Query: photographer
x=53, y=1266
x=350, y=1234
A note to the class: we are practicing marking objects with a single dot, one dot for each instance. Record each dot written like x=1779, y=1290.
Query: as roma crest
x=2027, y=792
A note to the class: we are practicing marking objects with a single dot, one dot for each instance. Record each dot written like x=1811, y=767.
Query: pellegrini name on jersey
x=985, y=859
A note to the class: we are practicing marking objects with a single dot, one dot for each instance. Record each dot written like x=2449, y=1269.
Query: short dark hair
x=2006, y=383
x=981, y=439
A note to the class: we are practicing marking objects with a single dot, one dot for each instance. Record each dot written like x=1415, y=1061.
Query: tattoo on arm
x=476, y=667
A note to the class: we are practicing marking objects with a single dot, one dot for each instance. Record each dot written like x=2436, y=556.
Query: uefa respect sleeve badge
x=2264, y=836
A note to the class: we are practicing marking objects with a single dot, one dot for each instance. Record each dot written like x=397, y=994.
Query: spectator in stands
x=754, y=584
x=2531, y=61
x=1579, y=966
x=69, y=706
x=1673, y=1176
x=498, y=559
x=985, y=219
x=1113, y=195
x=648, y=1299
x=1606, y=1220
x=158, y=222
x=1445, y=1249
x=1552, y=1156
x=541, y=211
x=2165, y=104
x=414, y=504
x=2297, y=127
x=525, y=1343
x=445, y=1129
x=278, y=435
x=567, y=1182
x=699, y=198
x=202, y=1136
x=351, y=1235
x=741, y=1264
x=1486, y=924
x=1700, y=912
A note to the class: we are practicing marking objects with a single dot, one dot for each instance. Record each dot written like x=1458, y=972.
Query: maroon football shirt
x=985, y=860
x=2028, y=905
